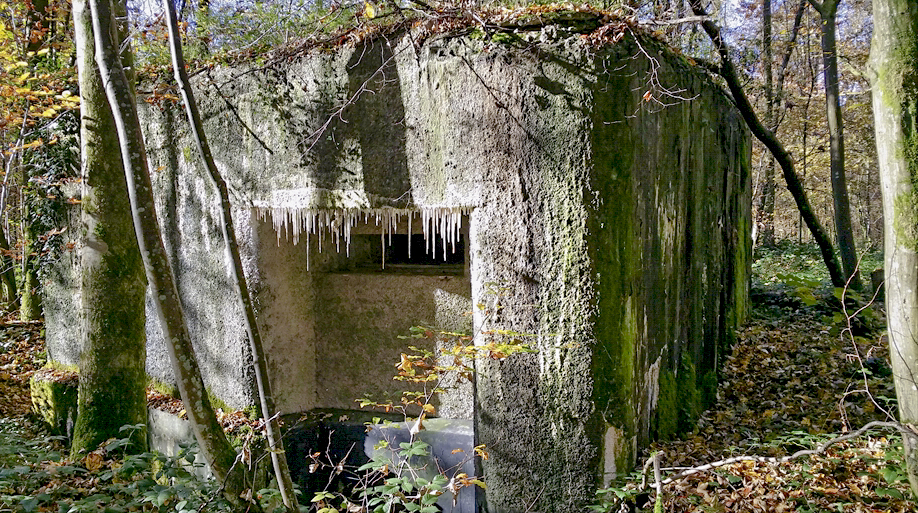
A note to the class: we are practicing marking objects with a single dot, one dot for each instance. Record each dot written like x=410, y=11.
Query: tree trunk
x=213, y=445
x=894, y=68
x=112, y=363
x=39, y=26
x=774, y=104
x=268, y=409
x=766, y=208
x=768, y=138
x=8, y=274
x=844, y=232
x=29, y=296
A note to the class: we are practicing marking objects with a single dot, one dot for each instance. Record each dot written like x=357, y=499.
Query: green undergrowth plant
x=402, y=474
x=802, y=262
x=35, y=476
x=790, y=275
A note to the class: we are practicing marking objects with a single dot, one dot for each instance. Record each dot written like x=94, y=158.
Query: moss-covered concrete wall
x=607, y=194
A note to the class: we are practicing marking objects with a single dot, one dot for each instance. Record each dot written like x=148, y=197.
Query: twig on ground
x=820, y=449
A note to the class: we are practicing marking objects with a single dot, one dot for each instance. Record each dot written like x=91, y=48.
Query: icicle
x=444, y=223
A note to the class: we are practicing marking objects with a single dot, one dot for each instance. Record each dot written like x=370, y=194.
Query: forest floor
x=794, y=378
x=22, y=352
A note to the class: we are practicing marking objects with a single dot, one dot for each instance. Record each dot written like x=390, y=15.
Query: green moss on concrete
x=64, y=367
x=170, y=390
x=688, y=395
x=615, y=254
x=742, y=268
x=506, y=38
x=709, y=388
x=54, y=399
x=667, y=415
x=167, y=389
x=681, y=399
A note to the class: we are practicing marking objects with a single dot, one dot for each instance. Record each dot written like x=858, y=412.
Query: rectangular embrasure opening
x=411, y=254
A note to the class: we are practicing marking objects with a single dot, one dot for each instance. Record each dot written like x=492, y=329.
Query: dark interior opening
x=390, y=253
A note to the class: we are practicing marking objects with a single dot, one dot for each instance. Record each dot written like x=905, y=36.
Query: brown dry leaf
x=94, y=460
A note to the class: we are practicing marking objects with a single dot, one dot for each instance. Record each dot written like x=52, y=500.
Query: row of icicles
x=293, y=222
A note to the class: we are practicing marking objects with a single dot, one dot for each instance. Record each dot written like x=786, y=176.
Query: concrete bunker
x=604, y=186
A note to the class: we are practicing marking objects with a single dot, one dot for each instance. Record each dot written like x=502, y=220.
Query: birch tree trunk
x=268, y=409
x=212, y=442
x=112, y=362
x=894, y=69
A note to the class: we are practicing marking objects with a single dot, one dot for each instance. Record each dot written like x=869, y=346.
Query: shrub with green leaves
x=34, y=477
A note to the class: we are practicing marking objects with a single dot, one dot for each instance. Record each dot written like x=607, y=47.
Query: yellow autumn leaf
x=429, y=408
x=369, y=10
x=48, y=113
x=34, y=144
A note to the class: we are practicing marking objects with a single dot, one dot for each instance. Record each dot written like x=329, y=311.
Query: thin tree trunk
x=791, y=46
x=112, y=362
x=776, y=109
x=39, y=25
x=213, y=444
x=767, y=200
x=30, y=308
x=268, y=409
x=894, y=66
x=843, y=229
x=8, y=274
x=767, y=137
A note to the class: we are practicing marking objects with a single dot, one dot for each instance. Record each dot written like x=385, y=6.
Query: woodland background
x=777, y=50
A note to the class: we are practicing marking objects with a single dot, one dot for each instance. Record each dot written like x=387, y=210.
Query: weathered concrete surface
x=61, y=294
x=616, y=227
x=376, y=307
